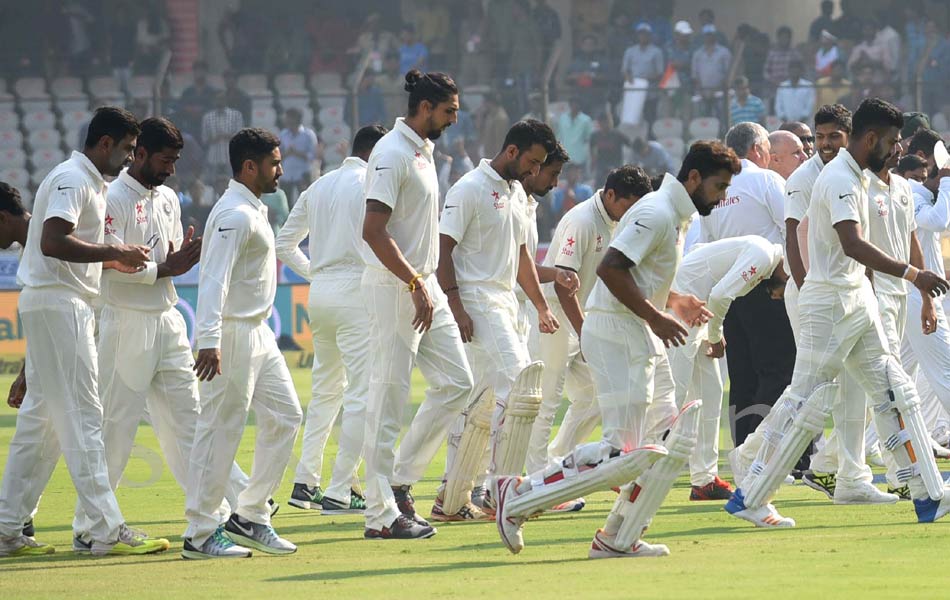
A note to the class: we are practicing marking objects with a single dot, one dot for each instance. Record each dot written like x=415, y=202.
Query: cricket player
x=579, y=243
x=410, y=320
x=623, y=339
x=239, y=364
x=840, y=327
x=717, y=273
x=482, y=255
x=330, y=211
x=60, y=271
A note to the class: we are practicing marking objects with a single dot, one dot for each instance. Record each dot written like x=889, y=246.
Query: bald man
x=803, y=133
x=787, y=153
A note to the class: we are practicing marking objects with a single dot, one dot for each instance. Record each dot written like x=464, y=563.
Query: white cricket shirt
x=579, y=243
x=840, y=194
x=933, y=218
x=891, y=216
x=719, y=272
x=484, y=214
x=754, y=205
x=401, y=174
x=531, y=234
x=238, y=277
x=331, y=212
x=75, y=192
x=147, y=217
x=798, y=190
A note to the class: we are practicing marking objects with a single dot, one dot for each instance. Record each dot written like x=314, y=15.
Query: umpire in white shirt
x=760, y=345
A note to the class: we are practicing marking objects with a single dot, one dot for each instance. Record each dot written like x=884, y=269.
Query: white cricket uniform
x=527, y=313
x=330, y=211
x=716, y=273
x=798, y=190
x=579, y=244
x=754, y=205
x=401, y=174
x=631, y=372
x=62, y=412
x=236, y=288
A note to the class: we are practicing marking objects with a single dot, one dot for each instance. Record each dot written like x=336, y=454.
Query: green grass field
x=835, y=552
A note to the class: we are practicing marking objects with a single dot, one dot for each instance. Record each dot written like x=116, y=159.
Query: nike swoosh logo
x=382, y=168
x=61, y=188
x=449, y=206
x=222, y=229
x=248, y=531
x=843, y=196
x=639, y=224
x=790, y=192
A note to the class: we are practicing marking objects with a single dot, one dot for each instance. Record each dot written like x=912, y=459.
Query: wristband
x=413, y=285
x=910, y=274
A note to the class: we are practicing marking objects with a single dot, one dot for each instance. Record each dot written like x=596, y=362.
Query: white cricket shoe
x=939, y=451
x=861, y=492
x=602, y=547
x=763, y=516
x=789, y=480
x=503, y=490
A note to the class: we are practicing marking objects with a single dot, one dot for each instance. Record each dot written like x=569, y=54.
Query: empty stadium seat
x=334, y=133
x=142, y=86
x=330, y=115
x=39, y=119
x=635, y=131
x=11, y=138
x=38, y=175
x=322, y=83
x=334, y=100
x=26, y=197
x=44, y=138
x=264, y=117
x=5, y=96
x=668, y=128
x=46, y=157
x=292, y=84
x=9, y=120
x=106, y=89
x=12, y=157
x=18, y=177
x=71, y=105
x=704, y=128
x=255, y=85
x=674, y=146
x=74, y=119
x=31, y=88
x=67, y=88
x=35, y=105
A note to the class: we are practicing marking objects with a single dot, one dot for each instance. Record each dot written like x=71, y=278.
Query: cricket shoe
x=21, y=545
x=763, y=516
x=503, y=490
x=575, y=505
x=257, y=536
x=403, y=528
x=130, y=542
x=874, y=457
x=789, y=480
x=468, y=512
x=273, y=505
x=81, y=546
x=217, y=546
x=357, y=505
x=940, y=452
x=305, y=497
x=739, y=468
x=717, y=489
x=861, y=492
x=482, y=499
x=602, y=547
x=902, y=492
x=821, y=482
x=28, y=529
x=407, y=504
x=929, y=510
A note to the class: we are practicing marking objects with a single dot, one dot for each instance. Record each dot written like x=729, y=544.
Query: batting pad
x=460, y=475
x=524, y=402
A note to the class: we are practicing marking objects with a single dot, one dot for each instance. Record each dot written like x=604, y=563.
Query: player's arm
x=575, y=243
x=928, y=313
x=528, y=280
x=571, y=306
x=565, y=278
x=295, y=229
x=690, y=309
x=445, y=273
x=935, y=217
x=793, y=253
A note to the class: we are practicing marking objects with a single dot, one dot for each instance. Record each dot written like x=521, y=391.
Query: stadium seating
x=74, y=119
x=39, y=119
x=46, y=158
x=18, y=177
x=11, y=138
x=335, y=133
x=8, y=120
x=667, y=128
x=67, y=88
x=177, y=82
x=327, y=83
x=142, y=87
x=44, y=139
x=264, y=117
x=675, y=146
x=292, y=90
x=255, y=86
x=330, y=115
x=12, y=157
x=634, y=130
x=704, y=128
x=106, y=89
x=31, y=88
x=6, y=98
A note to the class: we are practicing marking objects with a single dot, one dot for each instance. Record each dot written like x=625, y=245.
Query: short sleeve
x=66, y=200
x=844, y=202
x=384, y=177
x=642, y=233
x=457, y=213
x=573, y=246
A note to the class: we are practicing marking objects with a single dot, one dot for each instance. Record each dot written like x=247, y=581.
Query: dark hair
x=910, y=162
x=159, y=133
x=529, y=132
x=366, y=138
x=432, y=87
x=627, y=181
x=709, y=157
x=836, y=114
x=294, y=112
x=10, y=201
x=875, y=113
x=657, y=180
x=784, y=29
x=558, y=155
x=111, y=121
x=923, y=141
x=250, y=144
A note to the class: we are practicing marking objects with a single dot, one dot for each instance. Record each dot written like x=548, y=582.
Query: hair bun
x=412, y=79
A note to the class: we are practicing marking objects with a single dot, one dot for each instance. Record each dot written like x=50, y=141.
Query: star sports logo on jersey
x=109, y=230
x=140, y=216
x=568, y=249
x=749, y=274
x=498, y=203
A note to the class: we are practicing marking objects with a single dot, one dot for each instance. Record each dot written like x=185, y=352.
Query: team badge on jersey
x=600, y=244
x=167, y=207
x=497, y=202
x=109, y=229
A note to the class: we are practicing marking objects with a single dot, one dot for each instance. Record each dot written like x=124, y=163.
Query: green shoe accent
x=357, y=502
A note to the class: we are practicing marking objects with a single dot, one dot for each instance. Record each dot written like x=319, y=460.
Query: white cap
x=709, y=28
x=642, y=26
x=683, y=27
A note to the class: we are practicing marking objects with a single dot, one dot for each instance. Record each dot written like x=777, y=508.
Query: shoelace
x=221, y=541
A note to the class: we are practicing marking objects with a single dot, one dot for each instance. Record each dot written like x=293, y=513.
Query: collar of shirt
x=485, y=167
x=353, y=162
x=853, y=165
x=682, y=203
x=874, y=181
x=90, y=168
x=412, y=136
x=598, y=200
x=133, y=183
x=242, y=190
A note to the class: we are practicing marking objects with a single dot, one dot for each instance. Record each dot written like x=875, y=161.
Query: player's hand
x=17, y=391
x=208, y=364
x=931, y=283
x=463, y=320
x=944, y=172
x=928, y=316
x=717, y=350
x=690, y=309
x=668, y=329
x=546, y=321
x=422, y=320
x=117, y=266
x=567, y=279
x=131, y=255
x=181, y=261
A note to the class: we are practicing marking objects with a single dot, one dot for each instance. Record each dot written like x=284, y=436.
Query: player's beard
x=878, y=158
x=700, y=202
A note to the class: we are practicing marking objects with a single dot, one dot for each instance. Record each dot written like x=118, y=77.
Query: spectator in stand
x=526, y=60
x=679, y=57
x=644, y=60
x=375, y=40
x=709, y=72
x=549, y=26
x=587, y=72
x=298, y=149
x=192, y=161
x=823, y=23
x=463, y=134
x=391, y=83
x=652, y=157
x=658, y=14
x=848, y=25
x=936, y=74
x=708, y=19
x=862, y=86
x=574, y=129
x=787, y=153
x=196, y=100
x=826, y=55
x=413, y=54
x=217, y=127
x=620, y=36
x=475, y=57
x=369, y=101
x=888, y=39
x=572, y=192
x=755, y=49
x=915, y=37
x=795, y=97
x=830, y=89
x=870, y=50
x=235, y=97
x=502, y=30
x=152, y=37
x=780, y=57
x=433, y=20
x=493, y=124
x=744, y=106
x=606, y=147
x=803, y=133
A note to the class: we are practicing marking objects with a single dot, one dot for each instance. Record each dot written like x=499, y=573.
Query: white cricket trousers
x=61, y=413
x=394, y=348
x=528, y=326
x=340, y=328
x=564, y=370
x=254, y=375
x=697, y=377
x=930, y=352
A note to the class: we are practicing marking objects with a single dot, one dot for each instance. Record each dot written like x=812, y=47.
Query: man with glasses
x=803, y=132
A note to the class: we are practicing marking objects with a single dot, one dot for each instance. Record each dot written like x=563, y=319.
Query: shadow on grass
x=73, y=560
x=417, y=570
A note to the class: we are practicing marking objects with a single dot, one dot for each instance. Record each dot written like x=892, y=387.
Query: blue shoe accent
x=926, y=510
x=736, y=502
